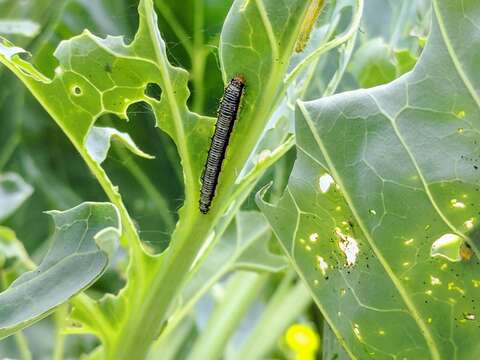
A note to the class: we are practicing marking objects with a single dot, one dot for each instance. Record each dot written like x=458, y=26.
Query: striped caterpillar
x=226, y=116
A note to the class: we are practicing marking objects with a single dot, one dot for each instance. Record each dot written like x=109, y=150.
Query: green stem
x=168, y=347
x=400, y=24
x=286, y=305
x=241, y=291
x=15, y=138
x=355, y=25
x=9, y=149
x=175, y=25
x=87, y=308
x=20, y=339
x=228, y=266
x=168, y=276
x=198, y=58
x=22, y=346
x=238, y=197
x=60, y=320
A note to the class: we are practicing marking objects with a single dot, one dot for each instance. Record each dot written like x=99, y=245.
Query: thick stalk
x=144, y=322
x=22, y=346
x=60, y=320
x=240, y=292
x=286, y=305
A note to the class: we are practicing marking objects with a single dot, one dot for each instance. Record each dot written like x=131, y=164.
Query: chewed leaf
x=99, y=76
x=99, y=139
x=392, y=237
x=13, y=193
x=11, y=56
x=85, y=238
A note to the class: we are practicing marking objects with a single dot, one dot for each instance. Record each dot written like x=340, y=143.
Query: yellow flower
x=303, y=340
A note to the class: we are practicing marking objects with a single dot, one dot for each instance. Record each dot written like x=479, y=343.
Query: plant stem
x=400, y=23
x=15, y=138
x=9, y=149
x=242, y=289
x=286, y=305
x=168, y=347
x=20, y=339
x=175, y=25
x=199, y=57
x=60, y=319
x=22, y=345
x=148, y=312
x=357, y=17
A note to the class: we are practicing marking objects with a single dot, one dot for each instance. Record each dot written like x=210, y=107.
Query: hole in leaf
x=153, y=91
x=152, y=189
x=77, y=90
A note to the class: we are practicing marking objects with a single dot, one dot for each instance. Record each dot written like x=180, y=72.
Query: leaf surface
x=381, y=175
x=85, y=238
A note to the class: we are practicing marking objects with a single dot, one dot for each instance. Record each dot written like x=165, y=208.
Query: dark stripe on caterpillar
x=226, y=115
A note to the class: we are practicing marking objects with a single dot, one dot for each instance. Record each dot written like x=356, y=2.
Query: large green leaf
x=85, y=238
x=382, y=177
x=98, y=76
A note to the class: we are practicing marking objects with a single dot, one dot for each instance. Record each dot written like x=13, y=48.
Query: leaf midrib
x=399, y=286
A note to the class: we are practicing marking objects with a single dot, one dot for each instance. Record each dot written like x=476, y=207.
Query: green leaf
x=331, y=349
x=85, y=238
x=99, y=139
x=13, y=256
x=98, y=76
x=257, y=42
x=372, y=64
x=404, y=61
x=13, y=193
x=403, y=159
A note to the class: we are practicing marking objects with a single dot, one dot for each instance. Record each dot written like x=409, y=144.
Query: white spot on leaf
x=313, y=237
x=322, y=264
x=325, y=182
x=349, y=247
x=448, y=247
x=469, y=224
x=356, y=331
x=457, y=204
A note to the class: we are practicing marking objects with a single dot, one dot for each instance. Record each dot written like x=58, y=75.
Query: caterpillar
x=311, y=17
x=226, y=116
